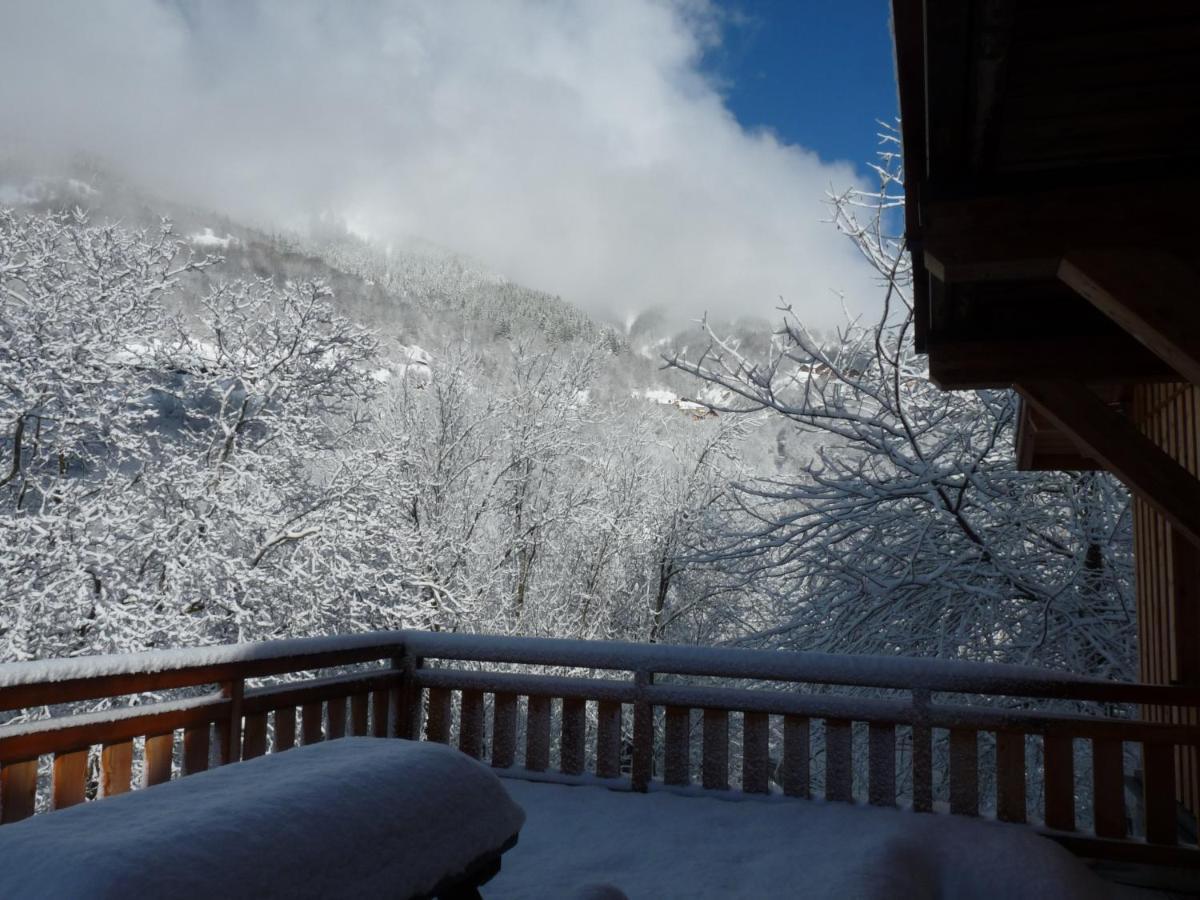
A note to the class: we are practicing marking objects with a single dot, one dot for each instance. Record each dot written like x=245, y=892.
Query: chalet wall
x=1168, y=571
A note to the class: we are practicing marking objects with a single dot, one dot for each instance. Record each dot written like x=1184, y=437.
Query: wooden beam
x=1114, y=440
x=1043, y=448
x=1150, y=294
x=977, y=364
x=973, y=236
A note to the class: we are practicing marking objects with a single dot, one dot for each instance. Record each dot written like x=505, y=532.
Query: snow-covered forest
x=213, y=432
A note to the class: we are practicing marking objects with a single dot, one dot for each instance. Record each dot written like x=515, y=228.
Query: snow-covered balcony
x=625, y=757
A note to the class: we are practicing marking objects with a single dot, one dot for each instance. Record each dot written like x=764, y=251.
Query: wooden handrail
x=403, y=683
x=46, y=682
x=904, y=673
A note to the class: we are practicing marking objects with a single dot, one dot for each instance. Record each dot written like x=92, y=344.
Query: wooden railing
x=633, y=715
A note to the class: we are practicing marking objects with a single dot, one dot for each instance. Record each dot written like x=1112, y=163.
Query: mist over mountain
x=581, y=151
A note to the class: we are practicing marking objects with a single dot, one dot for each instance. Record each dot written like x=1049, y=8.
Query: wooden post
x=1108, y=788
x=229, y=731
x=379, y=713
x=608, y=739
x=574, y=725
x=70, y=778
x=715, y=767
x=254, y=736
x=1010, y=776
x=677, y=754
x=18, y=790
x=537, y=734
x=195, y=749
x=796, y=756
x=437, y=726
x=839, y=760
x=336, y=711
x=1158, y=771
x=407, y=714
x=1058, y=761
x=396, y=698
x=922, y=753
x=470, y=724
x=756, y=739
x=504, y=730
x=964, y=772
x=285, y=729
x=311, y=716
x=643, y=733
x=358, y=715
x=159, y=750
x=116, y=768
x=881, y=764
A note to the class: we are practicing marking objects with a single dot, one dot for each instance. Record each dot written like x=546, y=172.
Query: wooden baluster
x=756, y=741
x=1010, y=776
x=608, y=739
x=881, y=764
x=437, y=727
x=311, y=716
x=379, y=713
x=254, y=736
x=229, y=730
x=195, y=749
x=358, y=715
x=70, y=778
x=964, y=772
x=574, y=727
x=470, y=724
x=396, y=699
x=504, y=730
x=922, y=752
x=1059, y=765
x=159, y=750
x=677, y=754
x=796, y=756
x=1108, y=788
x=839, y=771
x=285, y=729
x=642, y=769
x=922, y=768
x=1158, y=769
x=715, y=766
x=336, y=710
x=116, y=768
x=537, y=734
x=18, y=790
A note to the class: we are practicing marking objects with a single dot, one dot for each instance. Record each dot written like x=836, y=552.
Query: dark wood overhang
x=1049, y=152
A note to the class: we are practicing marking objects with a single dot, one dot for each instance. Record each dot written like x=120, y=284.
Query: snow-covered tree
x=911, y=530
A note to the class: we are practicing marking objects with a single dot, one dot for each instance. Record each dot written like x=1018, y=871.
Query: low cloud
x=573, y=147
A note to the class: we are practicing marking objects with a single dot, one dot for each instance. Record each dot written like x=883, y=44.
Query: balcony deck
x=670, y=845
x=946, y=745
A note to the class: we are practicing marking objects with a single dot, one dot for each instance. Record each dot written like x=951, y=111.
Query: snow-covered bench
x=352, y=817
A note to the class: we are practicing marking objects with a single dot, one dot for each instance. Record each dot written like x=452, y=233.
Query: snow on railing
x=767, y=722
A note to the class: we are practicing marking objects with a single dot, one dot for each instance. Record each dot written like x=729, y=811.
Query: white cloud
x=575, y=147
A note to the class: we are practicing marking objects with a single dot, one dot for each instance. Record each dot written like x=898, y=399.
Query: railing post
x=406, y=698
x=229, y=730
x=643, y=733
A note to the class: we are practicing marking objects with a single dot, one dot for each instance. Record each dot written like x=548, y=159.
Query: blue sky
x=818, y=73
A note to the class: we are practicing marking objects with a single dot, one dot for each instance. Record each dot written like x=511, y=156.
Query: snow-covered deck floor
x=664, y=845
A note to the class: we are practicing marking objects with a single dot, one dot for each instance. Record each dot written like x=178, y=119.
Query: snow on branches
x=911, y=531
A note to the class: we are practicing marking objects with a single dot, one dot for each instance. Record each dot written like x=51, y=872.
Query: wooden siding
x=1167, y=573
